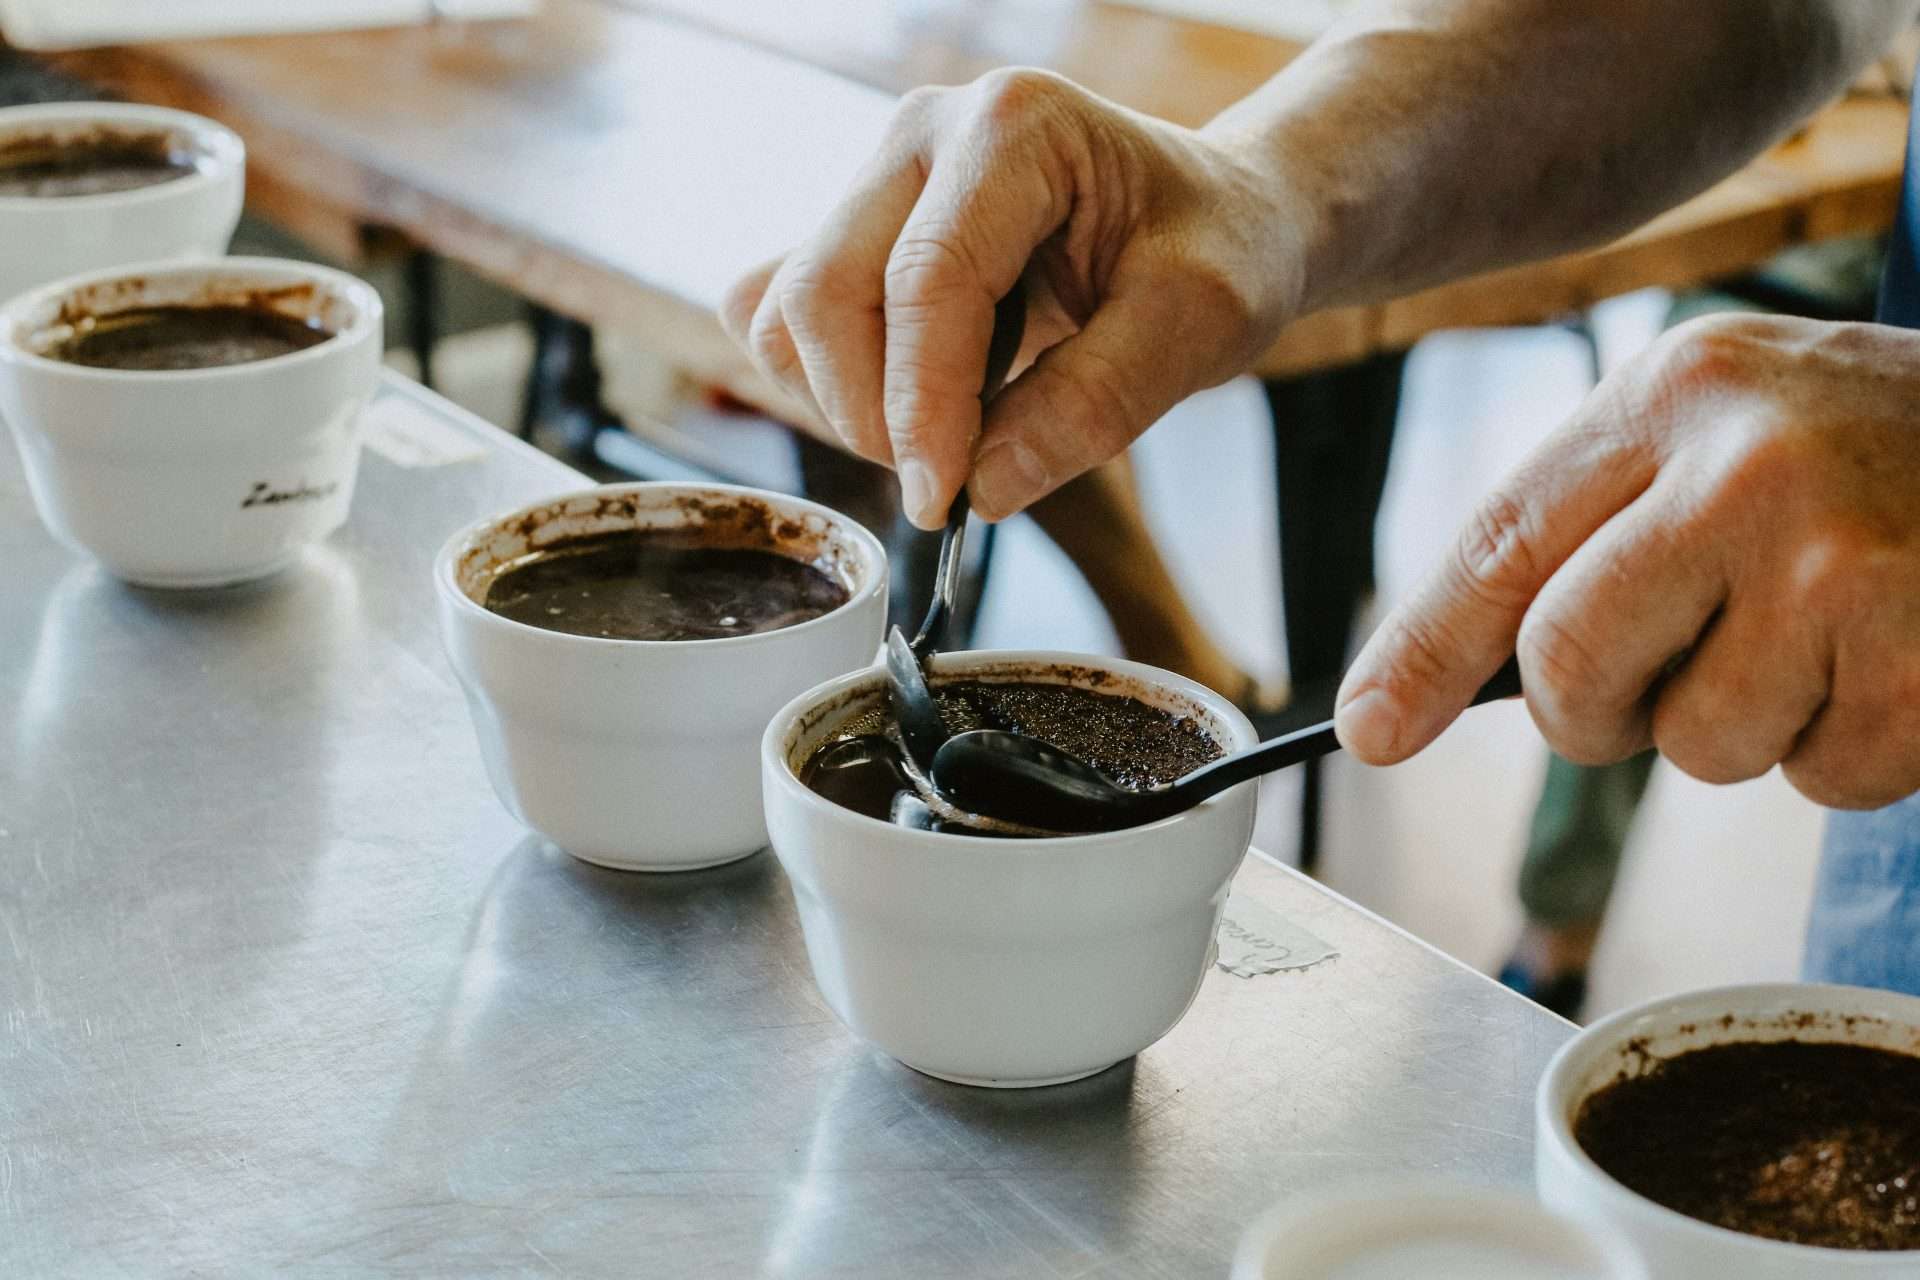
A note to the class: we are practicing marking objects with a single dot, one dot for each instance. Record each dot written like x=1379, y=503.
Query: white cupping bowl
x=193, y=477
x=47, y=238
x=1006, y=962
x=1404, y=1230
x=1672, y=1244
x=643, y=754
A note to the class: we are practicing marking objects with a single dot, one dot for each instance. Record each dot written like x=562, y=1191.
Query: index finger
x=1423, y=665
x=979, y=218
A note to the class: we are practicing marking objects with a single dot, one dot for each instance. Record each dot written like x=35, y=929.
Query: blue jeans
x=1865, y=928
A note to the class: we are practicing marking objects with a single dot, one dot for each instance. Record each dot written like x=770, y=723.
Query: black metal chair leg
x=1333, y=433
x=423, y=309
x=540, y=370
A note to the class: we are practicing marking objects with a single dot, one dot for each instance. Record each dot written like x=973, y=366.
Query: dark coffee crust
x=864, y=767
x=103, y=301
x=1811, y=1142
x=831, y=716
x=1133, y=743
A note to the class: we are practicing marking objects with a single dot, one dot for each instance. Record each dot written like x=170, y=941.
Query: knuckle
x=1010, y=95
x=912, y=415
x=1861, y=753
x=1560, y=664
x=1496, y=547
x=770, y=344
x=1834, y=784
x=1089, y=406
x=813, y=290
x=1700, y=743
x=738, y=307
x=1711, y=353
x=1762, y=470
x=915, y=107
x=871, y=446
x=1587, y=738
x=926, y=269
x=1422, y=651
x=1109, y=406
x=1584, y=749
x=1837, y=571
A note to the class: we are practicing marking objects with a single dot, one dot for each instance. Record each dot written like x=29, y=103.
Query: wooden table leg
x=1333, y=432
x=1098, y=521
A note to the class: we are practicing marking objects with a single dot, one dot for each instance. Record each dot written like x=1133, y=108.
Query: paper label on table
x=1256, y=940
x=409, y=436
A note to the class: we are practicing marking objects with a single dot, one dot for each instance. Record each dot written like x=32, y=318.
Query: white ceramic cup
x=1672, y=1244
x=192, y=477
x=48, y=238
x=1006, y=962
x=1423, y=1231
x=642, y=754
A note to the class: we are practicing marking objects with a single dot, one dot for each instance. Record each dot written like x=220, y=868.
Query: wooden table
x=622, y=164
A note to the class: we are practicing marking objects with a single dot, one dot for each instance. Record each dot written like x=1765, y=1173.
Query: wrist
x=1296, y=229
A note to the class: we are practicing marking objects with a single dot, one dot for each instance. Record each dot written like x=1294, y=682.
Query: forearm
x=1451, y=136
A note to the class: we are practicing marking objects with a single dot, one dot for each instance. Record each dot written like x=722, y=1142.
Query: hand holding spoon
x=1023, y=780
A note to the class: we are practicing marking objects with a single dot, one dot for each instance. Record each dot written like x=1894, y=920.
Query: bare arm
x=1715, y=555
x=1434, y=138
x=1437, y=138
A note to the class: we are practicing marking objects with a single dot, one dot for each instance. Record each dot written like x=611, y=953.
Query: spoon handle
x=1303, y=744
x=1009, y=326
x=946, y=580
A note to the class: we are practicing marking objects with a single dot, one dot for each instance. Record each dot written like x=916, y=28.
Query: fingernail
x=916, y=490
x=1006, y=478
x=1370, y=724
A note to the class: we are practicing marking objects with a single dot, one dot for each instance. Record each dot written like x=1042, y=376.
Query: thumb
x=1079, y=405
x=1422, y=666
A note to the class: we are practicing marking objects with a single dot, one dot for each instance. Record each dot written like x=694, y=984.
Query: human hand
x=1155, y=260
x=1719, y=554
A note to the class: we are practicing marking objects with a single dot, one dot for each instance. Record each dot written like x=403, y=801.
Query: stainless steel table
x=284, y=991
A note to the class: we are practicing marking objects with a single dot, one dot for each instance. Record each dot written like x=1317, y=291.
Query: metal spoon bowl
x=1022, y=779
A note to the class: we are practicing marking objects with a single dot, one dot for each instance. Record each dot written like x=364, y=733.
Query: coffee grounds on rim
x=54, y=168
x=173, y=338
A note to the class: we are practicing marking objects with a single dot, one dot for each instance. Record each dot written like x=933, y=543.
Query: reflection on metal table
x=285, y=991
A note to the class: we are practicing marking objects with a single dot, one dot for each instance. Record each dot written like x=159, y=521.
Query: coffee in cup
x=623, y=647
x=187, y=424
x=1758, y=1131
x=1813, y=1143
x=86, y=186
x=864, y=765
x=50, y=166
x=186, y=337
x=661, y=584
x=1012, y=963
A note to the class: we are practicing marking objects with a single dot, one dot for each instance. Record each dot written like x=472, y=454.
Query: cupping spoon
x=914, y=708
x=1021, y=779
